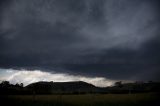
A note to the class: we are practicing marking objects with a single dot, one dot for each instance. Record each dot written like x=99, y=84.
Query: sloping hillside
x=61, y=87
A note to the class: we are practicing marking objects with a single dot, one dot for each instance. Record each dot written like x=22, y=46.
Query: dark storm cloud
x=117, y=39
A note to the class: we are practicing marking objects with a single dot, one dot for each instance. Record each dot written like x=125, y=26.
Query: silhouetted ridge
x=76, y=87
x=61, y=87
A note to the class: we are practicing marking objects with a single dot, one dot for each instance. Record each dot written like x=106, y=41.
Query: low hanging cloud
x=31, y=76
x=115, y=39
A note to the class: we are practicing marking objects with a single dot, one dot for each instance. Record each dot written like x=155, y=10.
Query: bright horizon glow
x=30, y=76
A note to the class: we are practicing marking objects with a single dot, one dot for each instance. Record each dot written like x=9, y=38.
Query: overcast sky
x=110, y=39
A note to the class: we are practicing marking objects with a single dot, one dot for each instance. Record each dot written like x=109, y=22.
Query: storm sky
x=112, y=39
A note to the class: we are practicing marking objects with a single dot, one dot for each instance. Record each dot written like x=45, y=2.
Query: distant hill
x=76, y=87
x=62, y=87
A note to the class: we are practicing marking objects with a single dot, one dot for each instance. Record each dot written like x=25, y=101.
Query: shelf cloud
x=114, y=39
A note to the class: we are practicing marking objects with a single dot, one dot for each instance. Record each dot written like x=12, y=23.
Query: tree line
x=6, y=88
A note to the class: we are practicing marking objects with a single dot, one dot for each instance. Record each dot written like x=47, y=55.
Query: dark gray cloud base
x=117, y=39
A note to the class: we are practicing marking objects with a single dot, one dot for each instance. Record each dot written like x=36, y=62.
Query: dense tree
x=118, y=84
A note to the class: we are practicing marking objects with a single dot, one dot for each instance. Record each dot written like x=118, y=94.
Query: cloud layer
x=116, y=39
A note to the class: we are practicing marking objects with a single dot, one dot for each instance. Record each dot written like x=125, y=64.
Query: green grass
x=146, y=99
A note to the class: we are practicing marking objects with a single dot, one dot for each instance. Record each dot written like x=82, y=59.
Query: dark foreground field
x=145, y=99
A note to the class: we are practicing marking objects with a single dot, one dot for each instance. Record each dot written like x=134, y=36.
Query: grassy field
x=146, y=99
